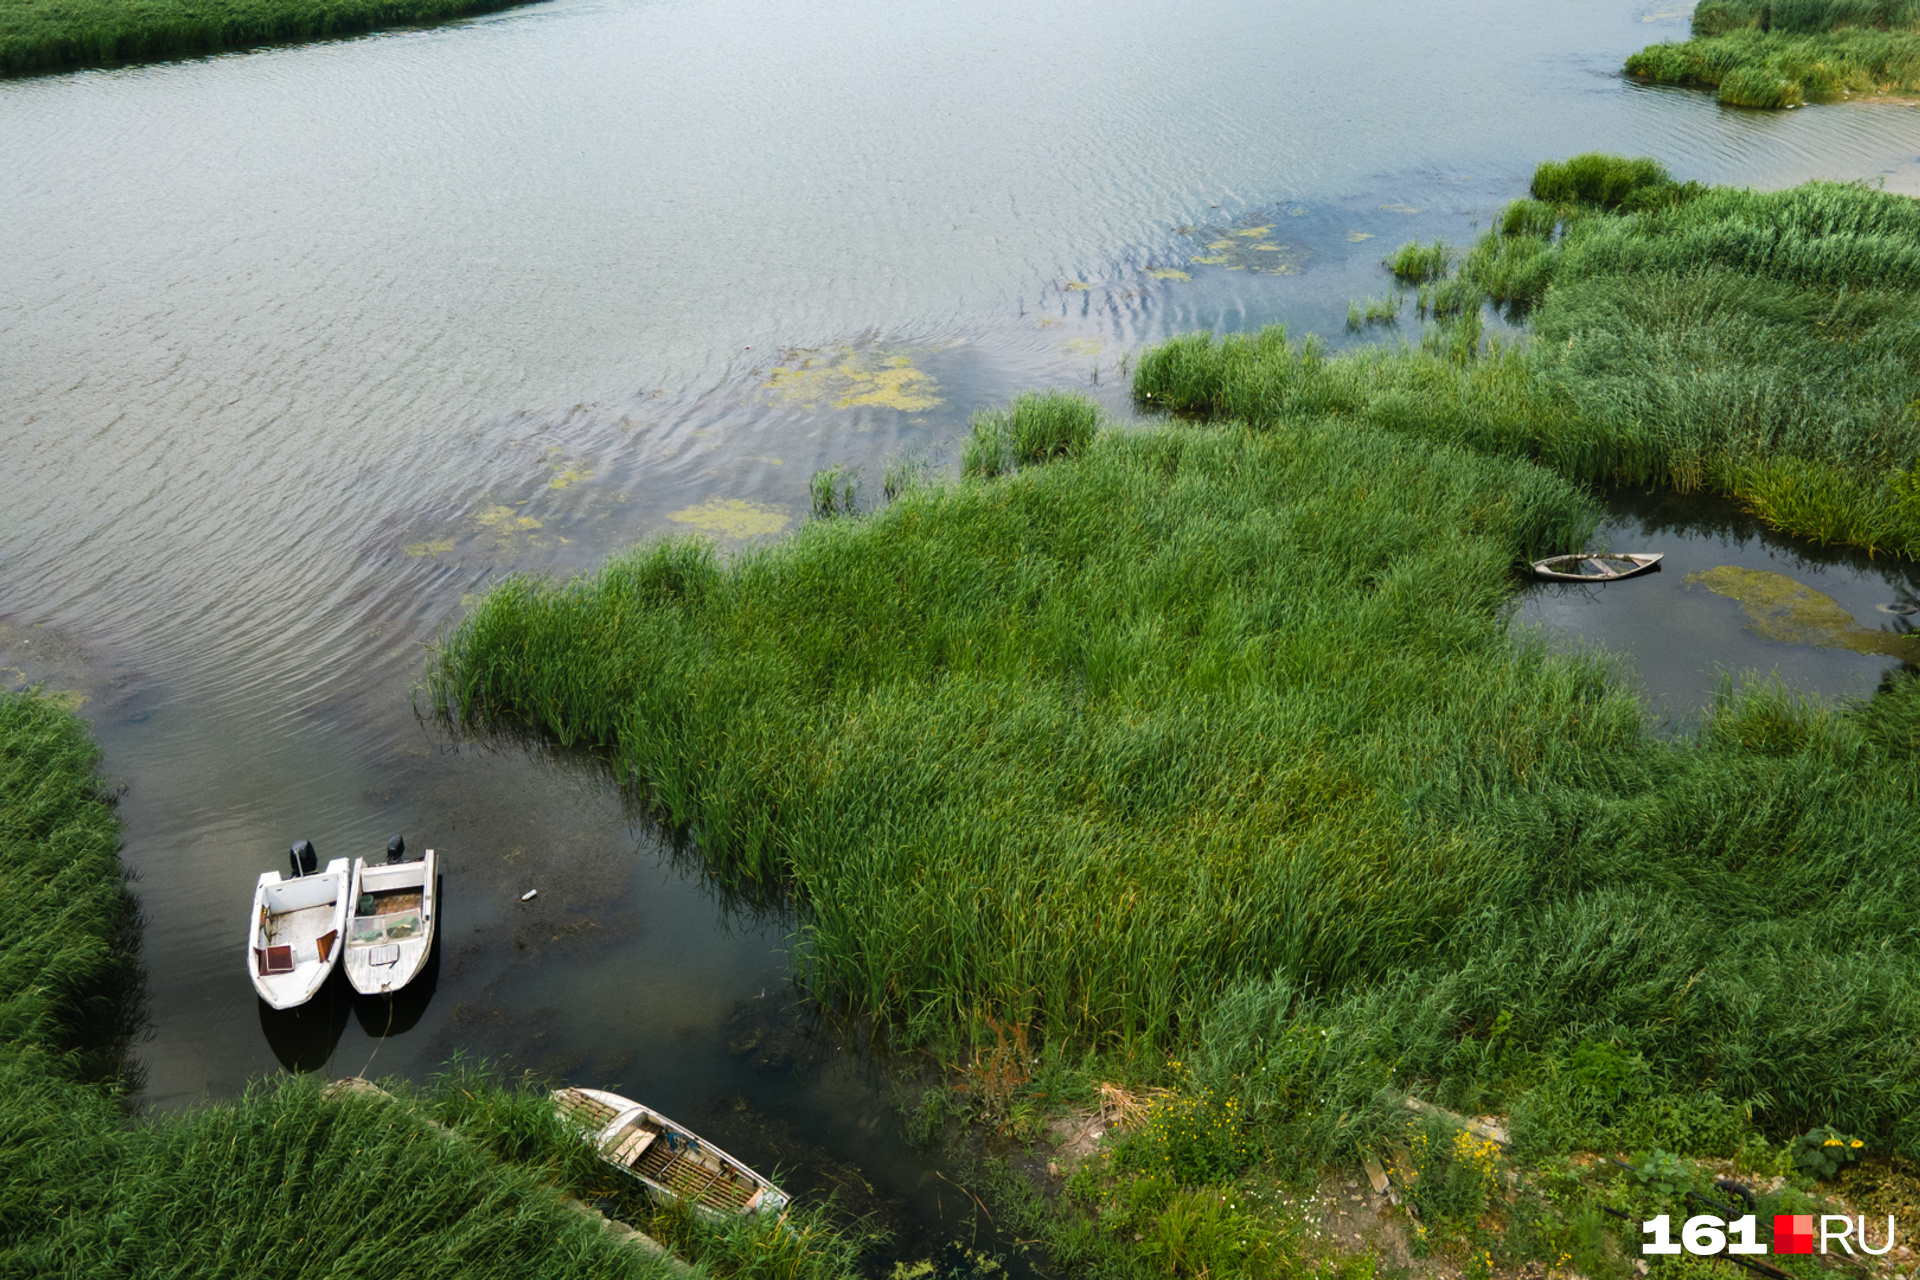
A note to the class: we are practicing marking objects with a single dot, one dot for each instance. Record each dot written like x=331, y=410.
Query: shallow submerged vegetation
x=1761, y=345
x=47, y=35
x=467, y=1177
x=1754, y=53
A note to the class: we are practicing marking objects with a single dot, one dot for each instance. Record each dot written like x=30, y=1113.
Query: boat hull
x=671, y=1161
x=293, y=943
x=1603, y=567
x=387, y=949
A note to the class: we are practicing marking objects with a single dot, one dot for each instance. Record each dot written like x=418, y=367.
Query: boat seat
x=633, y=1146
x=325, y=944
x=275, y=960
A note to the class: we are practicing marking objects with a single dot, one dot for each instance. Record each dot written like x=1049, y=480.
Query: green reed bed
x=1756, y=54
x=47, y=35
x=1217, y=736
x=1762, y=345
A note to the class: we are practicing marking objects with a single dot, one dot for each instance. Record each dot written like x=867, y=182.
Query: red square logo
x=1793, y=1233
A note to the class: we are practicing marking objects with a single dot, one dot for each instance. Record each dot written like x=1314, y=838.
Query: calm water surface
x=301, y=347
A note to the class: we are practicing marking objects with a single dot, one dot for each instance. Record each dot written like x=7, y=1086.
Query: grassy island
x=50, y=35
x=466, y=1178
x=1201, y=758
x=1761, y=53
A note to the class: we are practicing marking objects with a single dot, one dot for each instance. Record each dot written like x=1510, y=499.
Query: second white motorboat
x=393, y=918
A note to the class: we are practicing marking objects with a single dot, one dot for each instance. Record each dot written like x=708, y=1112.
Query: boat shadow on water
x=303, y=1038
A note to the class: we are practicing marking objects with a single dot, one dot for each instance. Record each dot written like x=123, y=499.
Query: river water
x=301, y=347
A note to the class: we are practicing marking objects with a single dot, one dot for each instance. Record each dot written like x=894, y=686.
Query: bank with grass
x=51, y=35
x=470, y=1175
x=1201, y=758
x=1754, y=53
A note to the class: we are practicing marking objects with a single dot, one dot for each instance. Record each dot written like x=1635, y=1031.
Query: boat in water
x=1595, y=566
x=391, y=933
x=294, y=942
x=672, y=1162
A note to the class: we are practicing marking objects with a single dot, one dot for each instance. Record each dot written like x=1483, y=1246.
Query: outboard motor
x=396, y=850
x=305, y=860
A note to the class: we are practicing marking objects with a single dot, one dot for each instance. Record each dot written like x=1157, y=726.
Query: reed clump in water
x=47, y=35
x=1784, y=55
x=1760, y=345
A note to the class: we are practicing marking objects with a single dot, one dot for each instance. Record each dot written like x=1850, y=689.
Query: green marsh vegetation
x=1759, y=345
x=1202, y=757
x=48, y=35
x=1763, y=53
x=464, y=1177
x=1213, y=739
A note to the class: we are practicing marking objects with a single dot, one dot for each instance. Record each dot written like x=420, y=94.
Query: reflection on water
x=303, y=347
x=1734, y=598
x=304, y=1037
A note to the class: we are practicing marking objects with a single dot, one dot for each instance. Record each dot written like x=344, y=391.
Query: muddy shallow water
x=302, y=347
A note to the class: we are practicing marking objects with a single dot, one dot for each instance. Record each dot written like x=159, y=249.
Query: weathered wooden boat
x=393, y=920
x=1595, y=566
x=294, y=941
x=673, y=1163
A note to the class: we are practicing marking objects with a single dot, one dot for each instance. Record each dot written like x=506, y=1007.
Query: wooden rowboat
x=673, y=1163
x=1594, y=567
x=293, y=944
x=393, y=921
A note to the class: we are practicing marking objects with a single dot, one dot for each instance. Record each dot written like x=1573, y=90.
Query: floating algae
x=433, y=548
x=1779, y=608
x=732, y=518
x=1402, y=207
x=850, y=378
x=1355, y=237
x=1084, y=346
x=1230, y=247
x=1170, y=273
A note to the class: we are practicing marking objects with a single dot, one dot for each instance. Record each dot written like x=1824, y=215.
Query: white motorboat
x=672, y=1162
x=294, y=941
x=393, y=918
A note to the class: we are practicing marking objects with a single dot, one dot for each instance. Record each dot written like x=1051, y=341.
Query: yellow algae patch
x=433, y=548
x=1254, y=231
x=572, y=475
x=733, y=518
x=849, y=378
x=504, y=520
x=1355, y=237
x=1271, y=248
x=1076, y=286
x=1223, y=244
x=1791, y=612
x=1399, y=207
x=1170, y=273
x=1085, y=346
x=1212, y=260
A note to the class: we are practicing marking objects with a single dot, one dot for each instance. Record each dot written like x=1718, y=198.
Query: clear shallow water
x=1681, y=637
x=300, y=347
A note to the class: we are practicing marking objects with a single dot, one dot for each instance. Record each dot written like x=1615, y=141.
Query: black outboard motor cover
x=396, y=850
x=305, y=860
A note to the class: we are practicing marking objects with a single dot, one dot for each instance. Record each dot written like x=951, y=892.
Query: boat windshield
x=372, y=931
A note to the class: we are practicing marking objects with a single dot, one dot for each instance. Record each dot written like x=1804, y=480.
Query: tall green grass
x=1761, y=345
x=47, y=35
x=1218, y=735
x=67, y=974
x=1757, y=53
